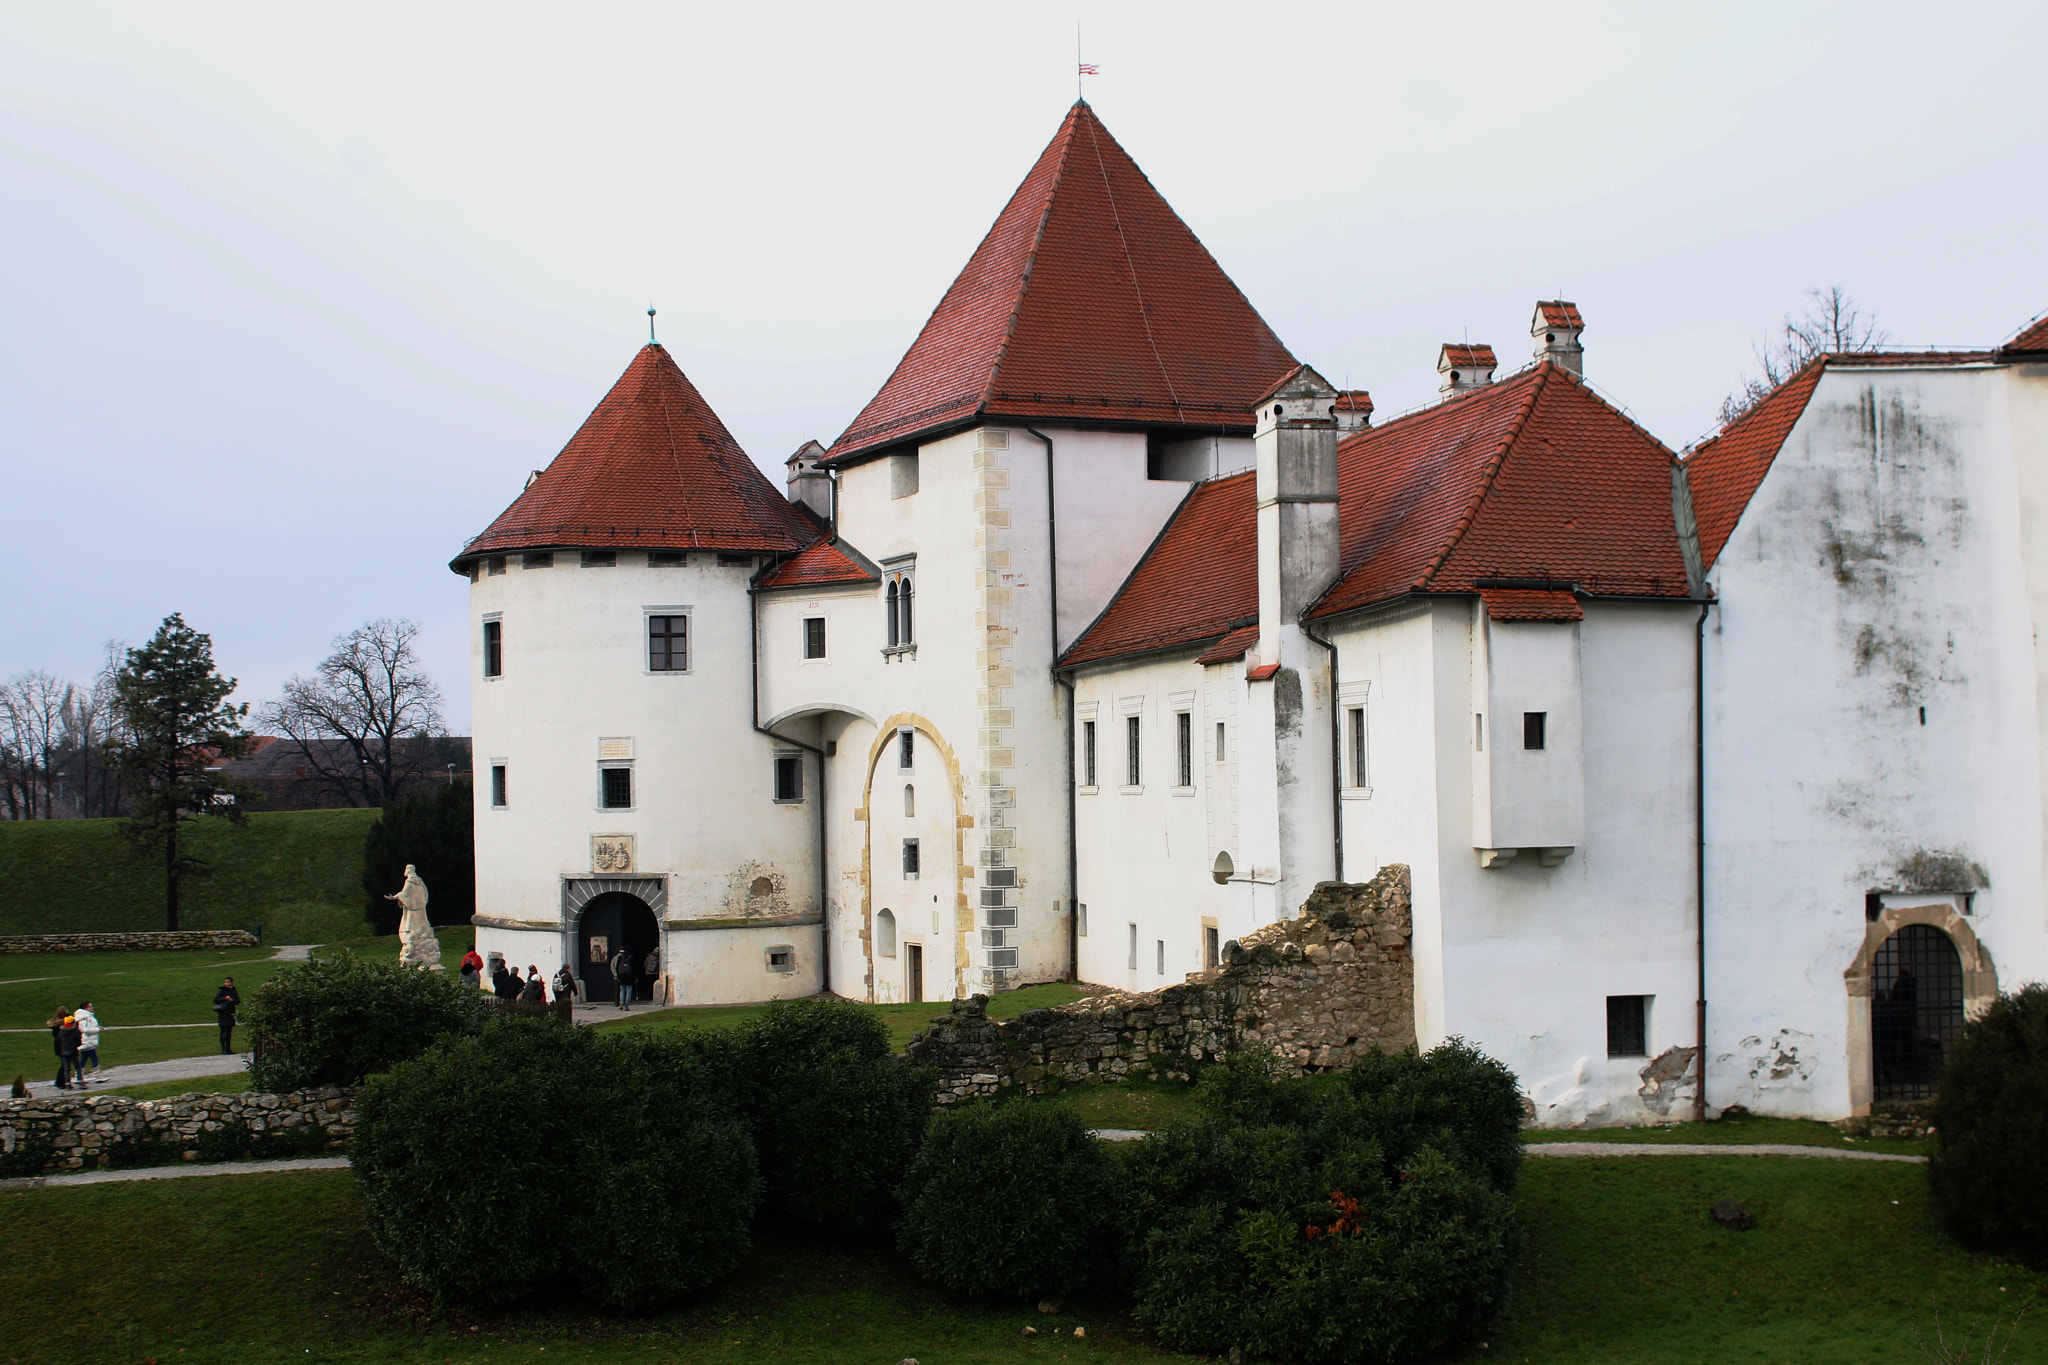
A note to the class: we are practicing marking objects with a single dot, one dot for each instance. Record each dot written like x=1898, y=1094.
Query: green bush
x=434, y=830
x=1007, y=1199
x=335, y=1020
x=1991, y=1127
x=534, y=1155
x=835, y=1115
x=1350, y=1218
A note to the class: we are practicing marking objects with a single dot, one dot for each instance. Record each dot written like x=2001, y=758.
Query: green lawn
x=1623, y=1265
x=904, y=1021
x=233, y=1083
x=1733, y=1128
x=298, y=874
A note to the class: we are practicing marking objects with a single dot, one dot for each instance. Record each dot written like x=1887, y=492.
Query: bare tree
x=32, y=707
x=1831, y=325
x=365, y=722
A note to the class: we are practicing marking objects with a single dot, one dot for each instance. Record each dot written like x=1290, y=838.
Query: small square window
x=1628, y=1025
x=782, y=958
x=1005, y=918
x=668, y=644
x=906, y=750
x=1534, y=723
x=814, y=637
x=600, y=559
x=494, y=649
x=910, y=860
x=498, y=786
x=542, y=559
x=736, y=561
x=666, y=559
x=789, y=777
x=495, y=565
x=618, y=788
x=1001, y=876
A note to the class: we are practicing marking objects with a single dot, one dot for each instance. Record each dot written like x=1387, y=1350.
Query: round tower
x=624, y=797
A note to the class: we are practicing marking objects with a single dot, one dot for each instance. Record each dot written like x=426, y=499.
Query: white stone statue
x=418, y=946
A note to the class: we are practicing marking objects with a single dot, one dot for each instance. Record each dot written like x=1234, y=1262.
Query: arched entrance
x=1916, y=1011
x=611, y=919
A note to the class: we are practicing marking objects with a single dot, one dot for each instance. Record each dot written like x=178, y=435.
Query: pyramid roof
x=1088, y=301
x=651, y=467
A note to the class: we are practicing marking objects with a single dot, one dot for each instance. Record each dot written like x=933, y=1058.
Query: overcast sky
x=292, y=298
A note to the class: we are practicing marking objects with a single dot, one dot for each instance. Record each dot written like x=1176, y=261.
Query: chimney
x=1556, y=327
x=1464, y=367
x=809, y=484
x=1353, y=411
x=1294, y=444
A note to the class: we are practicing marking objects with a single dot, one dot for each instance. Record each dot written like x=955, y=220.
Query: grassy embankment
x=298, y=874
x=1622, y=1265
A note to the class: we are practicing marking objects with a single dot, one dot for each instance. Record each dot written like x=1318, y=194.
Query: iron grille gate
x=1915, y=1013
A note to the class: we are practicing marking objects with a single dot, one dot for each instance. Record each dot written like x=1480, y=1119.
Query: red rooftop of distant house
x=1456, y=355
x=1558, y=313
x=823, y=563
x=1088, y=301
x=651, y=467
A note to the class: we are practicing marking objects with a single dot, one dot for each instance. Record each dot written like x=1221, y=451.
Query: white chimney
x=1556, y=327
x=809, y=484
x=1353, y=411
x=1464, y=367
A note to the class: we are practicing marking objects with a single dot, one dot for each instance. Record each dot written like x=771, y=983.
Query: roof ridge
x=1131, y=267
x=1052, y=193
x=1486, y=480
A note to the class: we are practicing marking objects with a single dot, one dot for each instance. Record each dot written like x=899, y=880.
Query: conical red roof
x=652, y=467
x=1090, y=301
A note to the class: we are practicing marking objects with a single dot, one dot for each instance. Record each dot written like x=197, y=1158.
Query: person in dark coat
x=536, y=990
x=225, y=1001
x=565, y=985
x=63, y=1031
x=622, y=972
x=510, y=986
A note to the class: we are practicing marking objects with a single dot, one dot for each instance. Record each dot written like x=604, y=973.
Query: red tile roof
x=1199, y=580
x=1558, y=313
x=1089, y=300
x=2031, y=340
x=1535, y=477
x=652, y=466
x=1724, y=472
x=1354, y=400
x=1531, y=604
x=1463, y=357
x=1231, y=647
x=822, y=563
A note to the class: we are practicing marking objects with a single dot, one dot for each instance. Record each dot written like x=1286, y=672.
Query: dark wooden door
x=608, y=921
x=913, y=970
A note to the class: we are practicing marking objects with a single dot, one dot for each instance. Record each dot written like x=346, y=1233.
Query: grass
x=1622, y=1266
x=1734, y=1128
x=233, y=1083
x=298, y=874
x=904, y=1022
x=1140, y=1104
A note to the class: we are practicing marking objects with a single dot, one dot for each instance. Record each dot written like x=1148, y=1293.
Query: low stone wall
x=100, y=943
x=1317, y=991
x=69, y=1132
x=1912, y=1120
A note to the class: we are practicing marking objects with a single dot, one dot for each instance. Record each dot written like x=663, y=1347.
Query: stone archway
x=931, y=911
x=1979, y=983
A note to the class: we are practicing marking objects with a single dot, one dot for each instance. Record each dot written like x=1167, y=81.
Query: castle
x=1108, y=628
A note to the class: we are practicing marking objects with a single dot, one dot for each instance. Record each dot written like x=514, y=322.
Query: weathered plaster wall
x=71, y=1132
x=143, y=942
x=1317, y=991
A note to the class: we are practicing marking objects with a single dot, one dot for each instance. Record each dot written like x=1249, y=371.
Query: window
x=910, y=860
x=1533, y=725
x=495, y=565
x=600, y=559
x=1087, y=753
x=899, y=614
x=1219, y=741
x=497, y=786
x=814, y=637
x=1002, y=876
x=617, y=787
x=1133, y=766
x=1002, y=957
x=494, y=649
x=909, y=801
x=1479, y=732
x=906, y=750
x=994, y=938
x=789, y=777
x=1184, y=733
x=1355, y=718
x=1211, y=949
x=668, y=644
x=903, y=475
x=736, y=561
x=1628, y=1025
x=1159, y=958
x=885, y=933
x=666, y=559
x=1081, y=918
x=1134, y=948
x=544, y=559
x=782, y=958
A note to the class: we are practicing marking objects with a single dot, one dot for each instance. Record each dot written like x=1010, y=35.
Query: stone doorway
x=1916, y=1011
x=913, y=972
x=610, y=920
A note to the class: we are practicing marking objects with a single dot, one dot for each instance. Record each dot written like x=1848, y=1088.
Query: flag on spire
x=1090, y=69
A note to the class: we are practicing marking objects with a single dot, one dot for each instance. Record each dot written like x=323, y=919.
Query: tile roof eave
x=1147, y=653
x=1316, y=613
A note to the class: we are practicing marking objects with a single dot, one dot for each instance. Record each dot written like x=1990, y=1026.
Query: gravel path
x=1706, y=1149
x=309, y=1163
x=148, y=1073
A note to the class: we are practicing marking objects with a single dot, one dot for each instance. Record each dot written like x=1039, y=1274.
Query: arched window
x=889, y=606
x=909, y=799
x=903, y=611
x=885, y=933
x=1222, y=869
x=1916, y=1011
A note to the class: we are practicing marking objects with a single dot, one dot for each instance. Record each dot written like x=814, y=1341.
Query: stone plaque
x=615, y=747
x=611, y=853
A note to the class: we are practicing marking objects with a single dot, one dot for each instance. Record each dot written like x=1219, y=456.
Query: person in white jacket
x=88, y=1041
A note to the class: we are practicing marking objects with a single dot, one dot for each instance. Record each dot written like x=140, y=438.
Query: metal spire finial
x=650, y=326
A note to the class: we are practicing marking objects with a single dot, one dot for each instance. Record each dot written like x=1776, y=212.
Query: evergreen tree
x=433, y=830
x=176, y=722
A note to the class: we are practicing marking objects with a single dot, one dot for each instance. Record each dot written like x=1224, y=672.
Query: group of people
x=77, y=1037
x=628, y=971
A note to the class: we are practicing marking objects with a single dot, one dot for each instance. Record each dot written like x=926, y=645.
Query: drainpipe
x=1052, y=578
x=1699, y=854
x=1336, y=753
x=754, y=663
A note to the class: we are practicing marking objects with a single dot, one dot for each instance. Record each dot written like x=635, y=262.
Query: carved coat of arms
x=611, y=853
